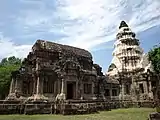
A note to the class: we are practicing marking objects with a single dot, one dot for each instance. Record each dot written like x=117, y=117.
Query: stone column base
x=37, y=97
x=61, y=96
x=12, y=96
x=154, y=116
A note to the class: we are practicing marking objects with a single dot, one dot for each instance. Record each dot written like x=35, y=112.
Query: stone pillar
x=62, y=88
x=34, y=85
x=76, y=90
x=62, y=95
x=81, y=90
x=92, y=88
x=150, y=86
x=12, y=95
x=59, y=86
x=18, y=86
x=150, y=91
x=39, y=86
x=55, y=88
x=39, y=89
x=120, y=92
x=39, y=82
x=110, y=91
x=12, y=86
x=123, y=91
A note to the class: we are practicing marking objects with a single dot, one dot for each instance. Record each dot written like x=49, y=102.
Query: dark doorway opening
x=107, y=93
x=70, y=91
x=127, y=89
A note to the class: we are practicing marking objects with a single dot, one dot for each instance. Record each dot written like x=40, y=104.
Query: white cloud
x=101, y=18
x=8, y=48
x=145, y=16
x=83, y=23
x=96, y=18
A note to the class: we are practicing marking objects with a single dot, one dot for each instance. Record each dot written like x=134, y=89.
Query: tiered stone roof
x=127, y=55
x=55, y=47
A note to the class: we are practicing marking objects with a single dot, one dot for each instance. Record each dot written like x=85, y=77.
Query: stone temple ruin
x=56, y=78
x=53, y=71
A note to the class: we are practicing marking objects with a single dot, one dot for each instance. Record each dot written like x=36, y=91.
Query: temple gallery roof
x=55, y=47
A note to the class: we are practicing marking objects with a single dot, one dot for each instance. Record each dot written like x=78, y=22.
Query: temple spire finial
x=123, y=24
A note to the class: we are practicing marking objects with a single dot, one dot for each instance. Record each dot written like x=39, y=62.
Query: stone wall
x=67, y=107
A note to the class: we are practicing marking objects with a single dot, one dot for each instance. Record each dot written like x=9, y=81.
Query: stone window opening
x=126, y=29
x=132, y=62
x=127, y=89
x=107, y=92
x=153, y=84
x=141, y=88
x=48, y=85
x=87, y=88
x=114, y=92
x=25, y=87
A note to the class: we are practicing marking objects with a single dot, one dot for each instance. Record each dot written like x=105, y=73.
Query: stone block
x=154, y=116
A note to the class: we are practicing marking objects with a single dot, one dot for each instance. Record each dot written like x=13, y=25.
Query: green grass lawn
x=117, y=114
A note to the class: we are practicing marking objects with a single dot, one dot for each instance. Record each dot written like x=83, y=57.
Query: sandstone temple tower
x=130, y=65
x=127, y=53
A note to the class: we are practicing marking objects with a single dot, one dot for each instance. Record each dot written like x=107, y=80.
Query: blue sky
x=88, y=24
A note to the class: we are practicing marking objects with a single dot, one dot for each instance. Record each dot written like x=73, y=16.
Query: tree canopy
x=7, y=65
x=154, y=57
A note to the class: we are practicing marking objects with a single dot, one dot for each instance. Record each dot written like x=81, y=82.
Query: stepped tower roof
x=123, y=24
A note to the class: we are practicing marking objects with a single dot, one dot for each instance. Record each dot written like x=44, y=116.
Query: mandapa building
x=56, y=72
x=130, y=66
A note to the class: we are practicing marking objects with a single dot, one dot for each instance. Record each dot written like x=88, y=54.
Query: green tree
x=7, y=65
x=154, y=57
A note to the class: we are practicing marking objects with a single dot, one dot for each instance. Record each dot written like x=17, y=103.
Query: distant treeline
x=7, y=65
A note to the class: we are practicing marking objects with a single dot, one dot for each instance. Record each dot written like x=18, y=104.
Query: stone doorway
x=70, y=90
